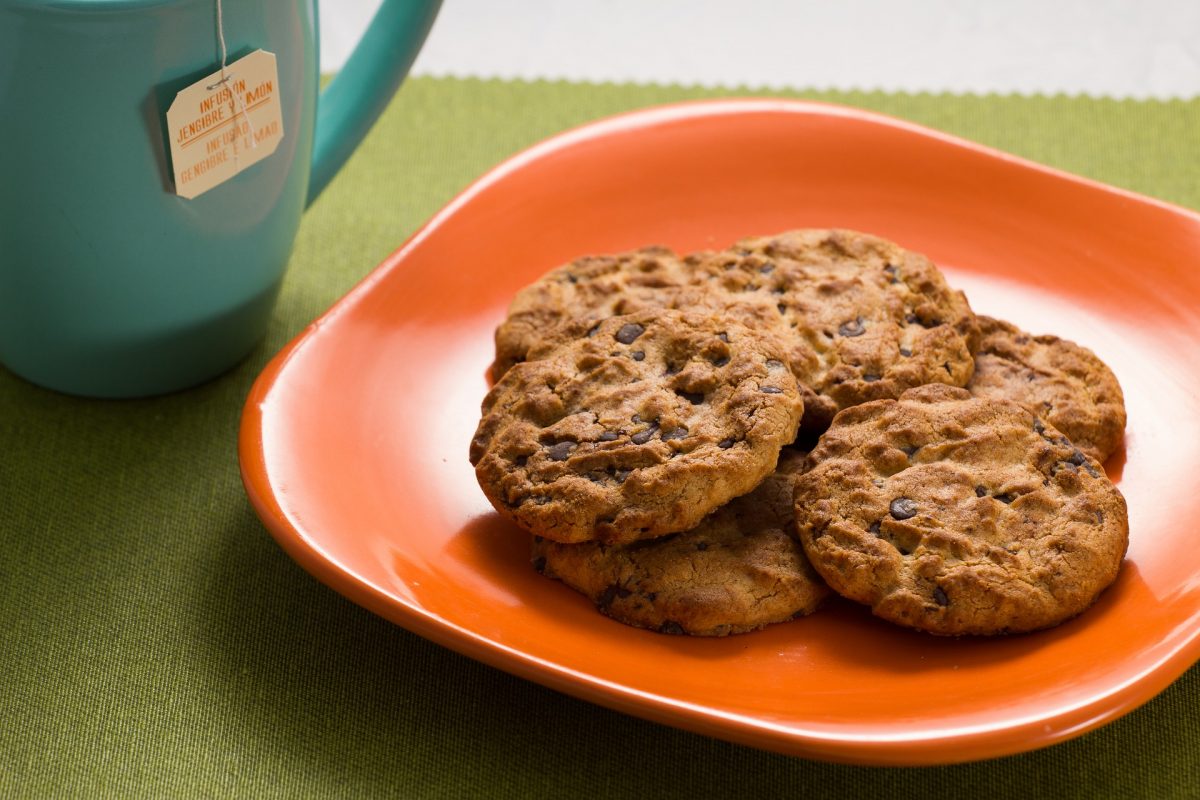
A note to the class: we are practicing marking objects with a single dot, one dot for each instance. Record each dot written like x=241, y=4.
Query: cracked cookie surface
x=868, y=319
x=636, y=428
x=1065, y=384
x=589, y=288
x=741, y=568
x=959, y=515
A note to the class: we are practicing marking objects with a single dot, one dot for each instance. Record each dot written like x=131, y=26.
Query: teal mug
x=112, y=285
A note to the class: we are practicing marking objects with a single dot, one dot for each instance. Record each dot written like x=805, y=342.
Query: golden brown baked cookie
x=959, y=515
x=877, y=319
x=590, y=288
x=1065, y=384
x=756, y=313
x=741, y=568
x=637, y=428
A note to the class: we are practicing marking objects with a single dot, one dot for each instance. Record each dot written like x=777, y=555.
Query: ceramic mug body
x=110, y=283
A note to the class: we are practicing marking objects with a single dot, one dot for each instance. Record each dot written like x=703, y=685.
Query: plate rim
x=986, y=741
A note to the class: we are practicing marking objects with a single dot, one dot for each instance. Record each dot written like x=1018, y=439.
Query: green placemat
x=156, y=642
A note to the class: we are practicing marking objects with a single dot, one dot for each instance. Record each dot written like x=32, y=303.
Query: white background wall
x=1120, y=48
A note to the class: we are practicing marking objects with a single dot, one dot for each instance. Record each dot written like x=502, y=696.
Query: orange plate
x=354, y=440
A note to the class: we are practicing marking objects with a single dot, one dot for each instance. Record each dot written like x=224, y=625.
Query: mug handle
x=351, y=103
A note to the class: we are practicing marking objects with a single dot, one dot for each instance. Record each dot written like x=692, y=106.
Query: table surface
x=159, y=643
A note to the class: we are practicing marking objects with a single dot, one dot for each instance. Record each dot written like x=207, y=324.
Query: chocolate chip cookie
x=638, y=427
x=741, y=568
x=877, y=319
x=957, y=515
x=1065, y=384
x=590, y=288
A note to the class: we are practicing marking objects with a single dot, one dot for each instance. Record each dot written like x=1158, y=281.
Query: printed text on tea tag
x=225, y=122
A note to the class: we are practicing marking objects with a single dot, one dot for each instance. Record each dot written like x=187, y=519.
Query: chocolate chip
x=725, y=444
x=852, y=328
x=638, y=355
x=904, y=351
x=629, y=332
x=980, y=491
x=701, y=546
x=609, y=436
x=673, y=368
x=636, y=418
x=1099, y=515
x=774, y=363
x=874, y=527
x=1080, y=460
x=572, y=279
x=771, y=390
x=677, y=433
x=521, y=461
x=561, y=451
x=621, y=475
x=910, y=449
x=781, y=307
x=1005, y=498
x=1061, y=466
x=893, y=273
x=592, y=330
x=1038, y=427
x=870, y=377
x=913, y=319
x=642, y=437
x=939, y=596
x=720, y=362
x=671, y=628
x=903, y=508
x=767, y=268
x=695, y=398
x=539, y=564
x=724, y=337
x=612, y=592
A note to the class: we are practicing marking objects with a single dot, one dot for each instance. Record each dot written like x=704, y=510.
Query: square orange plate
x=354, y=439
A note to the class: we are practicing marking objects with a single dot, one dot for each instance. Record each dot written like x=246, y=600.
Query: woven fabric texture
x=157, y=643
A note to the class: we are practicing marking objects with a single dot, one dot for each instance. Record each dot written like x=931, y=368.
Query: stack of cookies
x=708, y=444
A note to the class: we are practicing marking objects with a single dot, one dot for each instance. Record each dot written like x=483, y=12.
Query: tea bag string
x=239, y=106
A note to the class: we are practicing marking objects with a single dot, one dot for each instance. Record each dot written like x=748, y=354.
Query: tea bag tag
x=224, y=123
